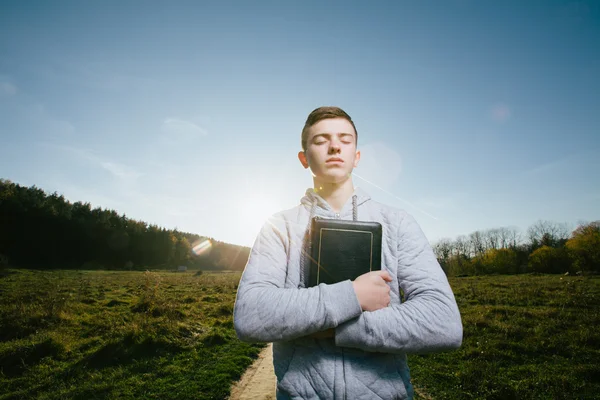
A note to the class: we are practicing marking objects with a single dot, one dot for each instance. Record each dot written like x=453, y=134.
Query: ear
x=303, y=160
x=357, y=158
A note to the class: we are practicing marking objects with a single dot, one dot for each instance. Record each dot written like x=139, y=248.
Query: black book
x=342, y=249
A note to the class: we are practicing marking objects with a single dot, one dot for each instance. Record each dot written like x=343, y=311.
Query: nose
x=334, y=147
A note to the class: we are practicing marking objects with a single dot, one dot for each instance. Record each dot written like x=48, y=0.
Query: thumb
x=385, y=275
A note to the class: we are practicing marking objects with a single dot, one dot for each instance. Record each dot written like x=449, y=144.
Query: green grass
x=525, y=337
x=164, y=335
x=92, y=335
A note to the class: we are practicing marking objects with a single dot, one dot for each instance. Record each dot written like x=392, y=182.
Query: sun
x=254, y=212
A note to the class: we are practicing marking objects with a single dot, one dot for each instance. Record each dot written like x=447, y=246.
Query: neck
x=335, y=194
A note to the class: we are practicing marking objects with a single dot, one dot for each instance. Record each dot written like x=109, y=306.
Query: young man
x=347, y=340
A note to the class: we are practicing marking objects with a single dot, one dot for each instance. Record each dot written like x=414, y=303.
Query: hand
x=372, y=291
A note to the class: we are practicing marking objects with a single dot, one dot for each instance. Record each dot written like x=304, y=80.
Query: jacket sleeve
x=428, y=320
x=266, y=311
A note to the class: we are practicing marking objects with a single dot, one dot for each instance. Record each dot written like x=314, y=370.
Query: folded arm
x=429, y=319
x=265, y=311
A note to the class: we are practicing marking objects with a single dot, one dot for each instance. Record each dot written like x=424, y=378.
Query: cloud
x=500, y=112
x=447, y=202
x=541, y=168
x=120, y=170
x=585, y=160
x=85, y=154
x=554, y=164
x=7, y=89
x=180, y=129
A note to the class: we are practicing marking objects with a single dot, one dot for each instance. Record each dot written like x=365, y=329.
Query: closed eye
x=323, y=138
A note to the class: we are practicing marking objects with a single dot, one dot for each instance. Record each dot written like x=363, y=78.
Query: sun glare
x=254, y=212
x=201, y=246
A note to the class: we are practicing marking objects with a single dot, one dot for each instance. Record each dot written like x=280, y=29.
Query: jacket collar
x=321, y=207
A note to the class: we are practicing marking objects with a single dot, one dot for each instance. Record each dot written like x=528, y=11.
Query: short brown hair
x=322, y=113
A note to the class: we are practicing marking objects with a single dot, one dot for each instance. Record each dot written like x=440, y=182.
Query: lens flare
x=201, y=247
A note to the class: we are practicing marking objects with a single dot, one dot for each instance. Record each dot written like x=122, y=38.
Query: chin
x=335, y=178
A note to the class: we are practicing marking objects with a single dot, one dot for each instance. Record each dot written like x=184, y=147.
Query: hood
x=318, y=206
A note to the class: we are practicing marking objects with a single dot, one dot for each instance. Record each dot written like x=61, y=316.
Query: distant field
x=70, y=334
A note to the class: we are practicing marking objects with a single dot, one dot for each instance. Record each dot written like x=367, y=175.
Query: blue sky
x=471, y=114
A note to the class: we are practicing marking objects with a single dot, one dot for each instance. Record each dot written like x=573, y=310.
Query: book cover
x=342, y=249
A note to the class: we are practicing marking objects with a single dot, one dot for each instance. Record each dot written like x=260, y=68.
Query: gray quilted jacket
x=367, y=357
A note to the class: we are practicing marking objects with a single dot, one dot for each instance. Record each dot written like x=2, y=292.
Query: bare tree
x=477, y=240
x=492, y=238
x=462, y=246
x=443, y=252
x=443, y=249
x=514, y=236
x=549, y=232
x=508, y=237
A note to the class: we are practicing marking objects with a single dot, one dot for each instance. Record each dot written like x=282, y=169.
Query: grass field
x=525, y=337
x=71, y=334
x=87, y=335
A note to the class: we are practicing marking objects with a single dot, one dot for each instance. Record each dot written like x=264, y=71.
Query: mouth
x=334, y=160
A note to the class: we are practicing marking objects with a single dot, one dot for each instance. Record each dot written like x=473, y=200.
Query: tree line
x=40, y=230
x=546, y=247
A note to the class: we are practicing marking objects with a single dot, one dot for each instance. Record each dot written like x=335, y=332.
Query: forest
x=40, y=230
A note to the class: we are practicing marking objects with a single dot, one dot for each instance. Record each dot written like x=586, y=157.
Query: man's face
x=331, y=151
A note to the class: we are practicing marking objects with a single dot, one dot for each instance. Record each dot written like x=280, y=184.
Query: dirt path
x=258, y=382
